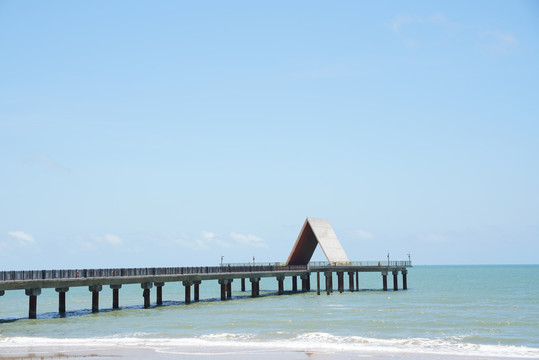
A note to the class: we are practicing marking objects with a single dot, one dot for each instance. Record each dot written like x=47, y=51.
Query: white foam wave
x=225, y=343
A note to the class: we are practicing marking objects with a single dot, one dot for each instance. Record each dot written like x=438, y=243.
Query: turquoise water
x=459, y=310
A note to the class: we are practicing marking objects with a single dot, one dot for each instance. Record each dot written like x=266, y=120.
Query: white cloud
x=108, y=239
x=433, y=238
x=362, y=234
x=112, y=239
x=497, y=41
x=400, y=21
x=248, y=240
x=22, y=238
x=48, y=163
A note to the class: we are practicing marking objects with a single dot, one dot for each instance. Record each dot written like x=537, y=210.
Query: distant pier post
x=223, y=283
x=187, y=285
x=146, y=293
x=340, y=281
x=351, y=281
x=95, y=289
x=116, y=295
x=280, y=280
x=159, y=292
x=395, y=280
x=357, y=280
x=328, y=276
x=62, y=299
x=294, y=283
x=242, y=284
x=32, y=301
x=305, y=282
x=255, y=286
x=196, y=284
x=318, y=283
x=229, y=289
x=384, y=280
x=404, y=281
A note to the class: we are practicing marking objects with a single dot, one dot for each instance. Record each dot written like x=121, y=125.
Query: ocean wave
x=313, y=341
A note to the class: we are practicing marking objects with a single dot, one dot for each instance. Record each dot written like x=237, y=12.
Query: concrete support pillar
x=242, y=284
x=95, y=289
x=159, y=292
x=197, y=289
x=331, y=282
x=229, y=289
x=404, y=280
x=384, y=279
x=328, y=276
x=187, y=285
x=318, y=283
x=340, y=281
x=2, y=292
x=116, y=295
x=62, y=299
x=357, y=280
x=305, y=279
x=395, y=280
x=32, y=301
x=280, y=279
x=255, y=286
x=146, y=293
x=351, y=281
x=223, y=283
x=294, y=283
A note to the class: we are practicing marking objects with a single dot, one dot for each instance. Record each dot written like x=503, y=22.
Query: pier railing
x=362, y=263
x=103, y=273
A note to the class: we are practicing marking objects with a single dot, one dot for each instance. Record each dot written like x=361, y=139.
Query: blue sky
x=173, y=133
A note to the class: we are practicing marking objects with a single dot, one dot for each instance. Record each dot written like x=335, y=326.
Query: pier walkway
x=95, y=279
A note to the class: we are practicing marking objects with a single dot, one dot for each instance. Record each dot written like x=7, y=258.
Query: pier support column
x=2, y=292
x=255, y=286
x=242, y=284
x=305, y=280
x=395, y=280
x=32, y=301
x=340, y=281
x=280, y=280
x=187, y=284
x=95, y=289
x=351, y=281
x=62, y=299
x=294, y=283
x=229, y=289
x=404, y=280
x=116, y=295
x=318, y=283
x=384, y=280
x=223, y=283
x=357, y=280
x=159, y=292
x=328, y=275
x=197, y=289
x=146, y=293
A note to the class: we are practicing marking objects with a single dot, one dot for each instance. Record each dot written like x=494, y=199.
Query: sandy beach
x=222, y=353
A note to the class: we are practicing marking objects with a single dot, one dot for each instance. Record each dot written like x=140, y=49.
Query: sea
x=468, y=312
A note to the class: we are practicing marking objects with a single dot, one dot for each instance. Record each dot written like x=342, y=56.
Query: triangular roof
x=314, y=232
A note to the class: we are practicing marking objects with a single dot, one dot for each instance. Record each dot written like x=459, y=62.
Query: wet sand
x=232, y=353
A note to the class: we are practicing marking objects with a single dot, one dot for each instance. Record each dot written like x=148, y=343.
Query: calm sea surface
x=457, y=310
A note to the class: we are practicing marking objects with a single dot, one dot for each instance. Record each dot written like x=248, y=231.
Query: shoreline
x=100, y=350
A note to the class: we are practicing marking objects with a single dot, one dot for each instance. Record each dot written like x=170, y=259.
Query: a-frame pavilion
x=314, y=232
